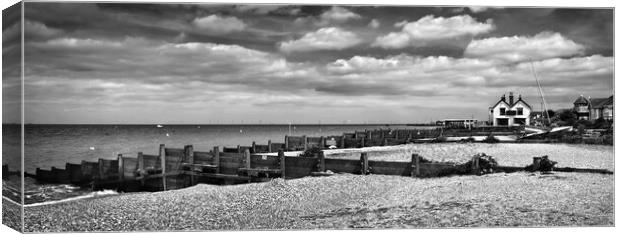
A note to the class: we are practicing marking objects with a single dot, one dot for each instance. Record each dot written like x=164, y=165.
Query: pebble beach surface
x=346, y=201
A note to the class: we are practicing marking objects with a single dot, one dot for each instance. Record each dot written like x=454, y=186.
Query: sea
x=47, y=146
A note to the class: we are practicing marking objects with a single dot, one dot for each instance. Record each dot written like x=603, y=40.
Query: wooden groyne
x=173, y=168
x=178, y=168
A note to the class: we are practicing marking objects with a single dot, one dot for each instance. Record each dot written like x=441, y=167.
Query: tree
x=569, y=117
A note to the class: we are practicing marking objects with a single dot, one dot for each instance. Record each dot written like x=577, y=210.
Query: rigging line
x=540, y=92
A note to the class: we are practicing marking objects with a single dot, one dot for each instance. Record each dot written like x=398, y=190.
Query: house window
x=502, y=111
x=520, y=111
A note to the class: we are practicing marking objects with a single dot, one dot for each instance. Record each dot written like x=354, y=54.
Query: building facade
x=594, y=108
x=510, y=112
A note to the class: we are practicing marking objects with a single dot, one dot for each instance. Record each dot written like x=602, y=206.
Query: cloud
x=429, y=29
x=338, y=14
x=543, y=45
x=331, y=38
x=405, y=63
x=335, y=15
x=268, y=9
x=374, y=23
x=478, y=9
x=219, y=25
x=37, y=30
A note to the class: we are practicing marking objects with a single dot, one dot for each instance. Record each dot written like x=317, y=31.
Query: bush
x=311, y=152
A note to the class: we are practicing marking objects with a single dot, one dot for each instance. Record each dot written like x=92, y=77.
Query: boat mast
x=540, y=92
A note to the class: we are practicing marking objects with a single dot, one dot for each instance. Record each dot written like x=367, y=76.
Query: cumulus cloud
x=543, y=45
x=429, y=29
x=335, y=15
x=218, y=24
x=339, y=14
x=331, y=38
x=405, y=63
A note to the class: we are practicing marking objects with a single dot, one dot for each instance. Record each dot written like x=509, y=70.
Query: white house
x=510, y=112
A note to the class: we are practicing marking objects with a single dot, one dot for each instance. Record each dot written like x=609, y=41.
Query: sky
x=247, y=64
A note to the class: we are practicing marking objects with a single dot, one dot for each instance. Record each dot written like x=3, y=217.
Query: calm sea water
x=49, y=146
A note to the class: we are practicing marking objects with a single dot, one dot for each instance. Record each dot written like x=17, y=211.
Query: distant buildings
x=458, y=123
x=510, y=112
x=594, y=108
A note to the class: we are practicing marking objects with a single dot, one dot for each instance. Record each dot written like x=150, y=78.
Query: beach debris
x=542, y=164
x=332, y=147
x=481, y=163
x=92, y=148
x=168, y=134
x=322, y=173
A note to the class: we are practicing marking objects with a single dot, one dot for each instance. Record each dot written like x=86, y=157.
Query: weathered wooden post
x=269, y=149
x=5, y=171
x=343, y=141
x=121, y=170
x=37, y=173
x=396, y=132
x=189, y=154
x=305, y=142
x=282, y=163
x=321, y=158
x=369, y=134
x=162, y=158
x=322, y=142
x=364, y=162
x=101, y=169
x=415, y=164
x=141, y=168
x=363, y=142
x=536, y=163
x=475, y=164
x=248, y=164
x=247, y=157
x=286, y=142
x=253, y=147
x=216, y=158
x=385, y=141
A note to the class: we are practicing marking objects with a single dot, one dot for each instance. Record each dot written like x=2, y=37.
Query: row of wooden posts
x=177, y=168
x=182, y=170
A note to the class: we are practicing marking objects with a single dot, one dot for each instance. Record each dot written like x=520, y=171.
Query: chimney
x=510, y=98
x=519, y=98
x=503, y=97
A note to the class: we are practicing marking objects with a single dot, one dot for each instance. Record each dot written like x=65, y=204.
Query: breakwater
x=173, y=168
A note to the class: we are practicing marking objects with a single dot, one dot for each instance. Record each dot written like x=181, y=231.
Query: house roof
x=508, y=104
x=524, y=103
x=500, y=100
x=581, y=100
x=598, y=103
